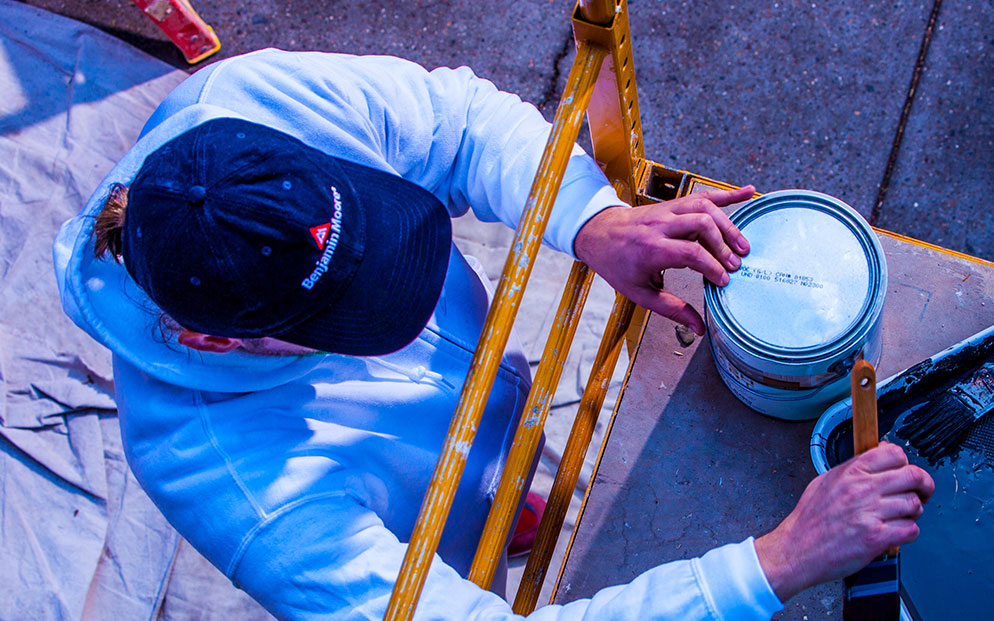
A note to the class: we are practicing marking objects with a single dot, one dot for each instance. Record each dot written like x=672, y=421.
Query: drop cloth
x=78, y=537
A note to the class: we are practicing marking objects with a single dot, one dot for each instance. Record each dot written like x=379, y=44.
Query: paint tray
x=831, y=442
x=945, y=574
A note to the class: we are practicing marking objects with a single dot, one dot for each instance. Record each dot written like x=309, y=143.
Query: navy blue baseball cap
x=236, y=229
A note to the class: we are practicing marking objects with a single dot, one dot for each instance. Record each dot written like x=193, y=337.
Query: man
x=291, y=327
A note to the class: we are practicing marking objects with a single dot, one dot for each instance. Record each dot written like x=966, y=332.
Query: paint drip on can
x=803, y=307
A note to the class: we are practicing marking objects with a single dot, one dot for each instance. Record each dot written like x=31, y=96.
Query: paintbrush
x=938, y=428
x=872, y=592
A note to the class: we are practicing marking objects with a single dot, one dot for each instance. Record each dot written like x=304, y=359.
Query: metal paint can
x=803, y=307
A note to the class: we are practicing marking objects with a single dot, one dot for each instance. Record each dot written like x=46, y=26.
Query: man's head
x=237, y=230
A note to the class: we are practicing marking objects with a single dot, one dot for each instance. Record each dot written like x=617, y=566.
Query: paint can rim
x=852, y=335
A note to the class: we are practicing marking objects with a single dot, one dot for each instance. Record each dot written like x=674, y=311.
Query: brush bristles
x=937, y=431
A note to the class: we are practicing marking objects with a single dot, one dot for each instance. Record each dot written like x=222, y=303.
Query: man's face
x=268, y=346
x=265, y=346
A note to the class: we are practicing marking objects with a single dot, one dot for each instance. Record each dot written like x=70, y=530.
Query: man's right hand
x=630, y=248
x=844, y=519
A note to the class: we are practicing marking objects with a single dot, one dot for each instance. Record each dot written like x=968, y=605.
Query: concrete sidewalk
x=787, y=94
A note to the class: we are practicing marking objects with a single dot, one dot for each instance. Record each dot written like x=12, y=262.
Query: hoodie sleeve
x=447, y=130
x=501, y=144
x=348, y=568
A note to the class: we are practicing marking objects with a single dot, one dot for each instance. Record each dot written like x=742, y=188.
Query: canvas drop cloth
x=78, y=537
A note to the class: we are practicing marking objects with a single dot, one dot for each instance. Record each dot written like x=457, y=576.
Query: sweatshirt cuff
x=585, y=192
x=734, y=583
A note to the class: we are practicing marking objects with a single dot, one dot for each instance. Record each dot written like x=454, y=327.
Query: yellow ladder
x=602, y=84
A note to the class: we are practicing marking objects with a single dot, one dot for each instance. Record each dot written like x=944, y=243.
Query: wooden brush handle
x=864, y=406
x=865, y=432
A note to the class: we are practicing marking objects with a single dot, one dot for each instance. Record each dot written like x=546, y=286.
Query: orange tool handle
x=183, y=26
x=864, y=412
x=864, y=406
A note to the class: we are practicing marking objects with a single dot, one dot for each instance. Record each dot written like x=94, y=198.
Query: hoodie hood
x=447, y=131
x=102, y=299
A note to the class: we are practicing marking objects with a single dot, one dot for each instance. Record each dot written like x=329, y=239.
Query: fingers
x=630, y=247
x=671, y=307
x=906, y=479
x=683, y=253
x=723, y=198
x=709, y=203
x=926, y=486
x=884, y=535
x=900, y=532
x=892, y=473
x=901, y=507
x=704, y=229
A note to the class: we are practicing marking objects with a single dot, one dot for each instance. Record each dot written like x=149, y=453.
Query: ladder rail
x=616, y=135
x=529, y=432
x=493, y=339
x=576, y=448
x=601, y=83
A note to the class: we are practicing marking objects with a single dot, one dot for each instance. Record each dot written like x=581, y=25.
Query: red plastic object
x=527, y=526
x=183, y=26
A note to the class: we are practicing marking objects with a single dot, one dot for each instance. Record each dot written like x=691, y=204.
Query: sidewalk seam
x=905, y=113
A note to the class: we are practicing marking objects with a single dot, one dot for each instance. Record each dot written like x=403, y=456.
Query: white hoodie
x=300, y=477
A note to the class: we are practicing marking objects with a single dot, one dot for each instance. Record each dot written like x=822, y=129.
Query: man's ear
x=206, y=342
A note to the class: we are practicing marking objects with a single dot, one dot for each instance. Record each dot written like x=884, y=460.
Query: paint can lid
x=814, y=276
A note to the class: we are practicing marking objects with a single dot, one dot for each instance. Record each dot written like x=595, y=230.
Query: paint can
x=803, y=307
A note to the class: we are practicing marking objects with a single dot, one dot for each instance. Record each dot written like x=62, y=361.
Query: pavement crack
x=905, y=112
x=551, y=92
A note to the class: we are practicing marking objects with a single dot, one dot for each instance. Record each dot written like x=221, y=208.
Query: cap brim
x=398, y=282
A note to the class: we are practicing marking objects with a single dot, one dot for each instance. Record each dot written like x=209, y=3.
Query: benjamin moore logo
x=320, y=234
x=326, y=237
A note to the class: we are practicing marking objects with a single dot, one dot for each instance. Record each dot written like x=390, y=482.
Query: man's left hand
x=630, y=248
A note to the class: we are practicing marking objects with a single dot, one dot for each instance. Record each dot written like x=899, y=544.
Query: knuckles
x=703, y=204
x=702, y=221
x=917, y=481
x=924, y=483
x=914, y=507
x=893, y=452
x=690, y=254
x=878, y=539
x=873, y=533
x=883, y=457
